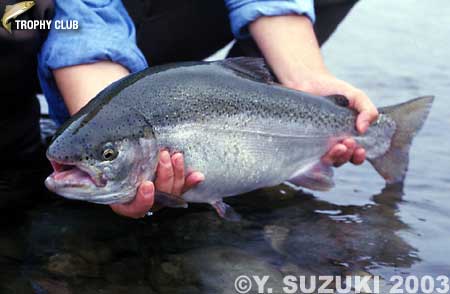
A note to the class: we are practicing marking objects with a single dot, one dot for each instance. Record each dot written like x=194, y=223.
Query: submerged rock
x=210, y=270
x=70, y=265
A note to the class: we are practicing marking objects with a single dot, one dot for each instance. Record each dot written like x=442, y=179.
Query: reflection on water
x=69, y=247
x=81, y=248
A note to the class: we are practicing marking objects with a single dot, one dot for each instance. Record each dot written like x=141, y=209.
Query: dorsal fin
x=8, y=7
x=337, y=99
x=251, y=67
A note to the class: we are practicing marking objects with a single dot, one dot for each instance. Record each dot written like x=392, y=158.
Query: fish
x=232, y=121
x=13, y=11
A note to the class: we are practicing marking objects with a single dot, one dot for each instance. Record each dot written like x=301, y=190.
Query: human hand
x=171, y=178
x=289, y=45
x=324, y=84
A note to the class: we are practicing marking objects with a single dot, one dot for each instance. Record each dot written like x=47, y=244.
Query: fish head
x=102, y=160
x=28, y=4
x=20, y=7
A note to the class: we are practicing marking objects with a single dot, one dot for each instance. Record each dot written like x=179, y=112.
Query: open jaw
x=72, y=176
x=75, y=181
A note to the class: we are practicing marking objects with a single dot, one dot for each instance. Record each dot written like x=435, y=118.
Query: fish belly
x=236, y=161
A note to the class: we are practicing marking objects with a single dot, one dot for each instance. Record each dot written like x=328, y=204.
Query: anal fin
x=319, y=177
x=225, y=211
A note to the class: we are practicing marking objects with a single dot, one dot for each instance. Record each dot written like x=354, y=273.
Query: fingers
x=140, y=205
x=368, y=113
x=345, y=157
x=171, y=176
x=170, y=179
x=178, y=170
x=192, y=180
x=335, y=154
x=164, y=173
x=344, y=152
x=358, y=156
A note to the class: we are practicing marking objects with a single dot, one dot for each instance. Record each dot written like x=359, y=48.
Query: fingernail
x=349, y=143
x=339, y=153
x=178, y=158
x=364, y=126
x=165, y=157
x=201, y=177
x=147, y=190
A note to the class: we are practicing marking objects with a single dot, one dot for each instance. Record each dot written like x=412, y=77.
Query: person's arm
x=80, y=83
x=284, y=33
x=289, y=45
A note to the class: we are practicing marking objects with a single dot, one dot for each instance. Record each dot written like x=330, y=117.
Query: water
x=397, y=51
x=394, y=50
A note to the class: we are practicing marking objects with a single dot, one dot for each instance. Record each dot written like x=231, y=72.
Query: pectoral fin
x=225, y=211
x=319, y=177
x=167, y=200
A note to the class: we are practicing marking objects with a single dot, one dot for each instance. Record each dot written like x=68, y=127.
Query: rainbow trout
x=13, y=11
x=232, y=122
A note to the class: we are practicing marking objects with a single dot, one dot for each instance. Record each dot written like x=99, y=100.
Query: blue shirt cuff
x=106, y=32
x=242, y=13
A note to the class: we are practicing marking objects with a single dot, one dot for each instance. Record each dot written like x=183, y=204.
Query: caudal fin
x=409, y=118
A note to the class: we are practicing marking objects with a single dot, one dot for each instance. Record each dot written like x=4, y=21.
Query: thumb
x=140, y=205
x=145, y=196
x=363, y=122
x=368, y=113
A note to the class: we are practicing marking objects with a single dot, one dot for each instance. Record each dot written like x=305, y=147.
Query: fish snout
x=62, y=151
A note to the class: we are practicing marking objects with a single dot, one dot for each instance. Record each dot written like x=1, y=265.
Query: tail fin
x=409, y=118
x=8, y=27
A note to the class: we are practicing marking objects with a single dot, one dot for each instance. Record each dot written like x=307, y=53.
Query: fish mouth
x=71, y=175
x=77, y=182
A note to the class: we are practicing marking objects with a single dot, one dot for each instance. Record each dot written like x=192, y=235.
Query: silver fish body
x=233, y=123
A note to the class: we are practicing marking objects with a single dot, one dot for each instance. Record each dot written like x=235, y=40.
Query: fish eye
x=109, y=152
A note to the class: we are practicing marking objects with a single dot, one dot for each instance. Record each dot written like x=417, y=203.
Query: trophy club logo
x=13, y=11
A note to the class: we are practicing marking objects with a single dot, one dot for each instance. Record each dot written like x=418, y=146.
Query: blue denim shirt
x=106, y=32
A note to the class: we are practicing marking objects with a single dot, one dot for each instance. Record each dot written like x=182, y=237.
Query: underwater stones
x=211, y=269
x=70, y=265
x=276, y=236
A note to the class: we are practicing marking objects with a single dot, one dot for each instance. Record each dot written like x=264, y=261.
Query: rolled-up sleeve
x=243, y=12
x=106, y=32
